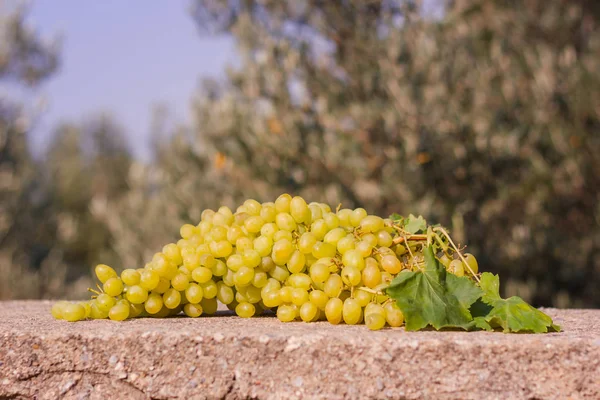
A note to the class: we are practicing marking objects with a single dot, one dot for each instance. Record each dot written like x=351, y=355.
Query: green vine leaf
x=512, y=314
x=415, y=224
x=433, y=297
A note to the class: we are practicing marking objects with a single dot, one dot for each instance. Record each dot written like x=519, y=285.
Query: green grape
x=104, y=272
x=297, y=262
x=240, y=296
x=285, y=222
x=221, y=249
x=204, y=227
x=135, y=310
x=371, y=223
x=268, y=212
x=119, y=312
x=308, y=312
x=285, y=294
x=345, y=294
x=319, y=229
x=154, y=303
x=209, y=288
x=219, y=269
x=318, y=298
x=333, y=310
x=457, y=268
x=196, y=240
x=245, y=310
x=225, y=211
x=362, y=297
x=172, y=298
x=243, y=276
x=334, y=235
x=375, y=322
x=269, y=230
x=187, y=231
x=352, y=312
x=243, y=244
x=105, y=302
x=224, y=293
x=306, y=242
x=444, y=259
x=162, y=313
x=87, y=307
x=333, y=285
x=357, y=216
x=299, y=210
x=279, y=273
x=218, y=233
x=374, y=308
x=401, y=250
x=130, y=276
x=272, y=285
x=260, y=279
x=331, y=220
x=253, y=207
x=299, y=296
x=344, y=217
x=279, y=235
x=251, y=258
x=393, y=314
x=319, y=272
x=345, y=244
x=234, y=233
x=370, y=238
x=286, y=313
x=96, y=313
x=235, y=262
x=364, y=248
x=271, y=299
x=240, y=216
x=322, y=250
x=300, y=280
x=351, y=275
x=194, y=293
x=472, y=263
x=315, y=212
x=263, y=245
x=172, y=252
x=282, y=204
x=353, y=258
x=202, y=274
x=209, y=306
x=254, y=224
x=220, y=219
x=72, y=312
x=180, y=282
x=384, y=239
x=113, y=286
x=282, y=251
x=371, y=275
x=192, y=310
x=252, y=294
x=191, y=261
x=391, y=264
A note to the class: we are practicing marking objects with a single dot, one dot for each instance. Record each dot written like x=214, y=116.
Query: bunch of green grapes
x=302, y=261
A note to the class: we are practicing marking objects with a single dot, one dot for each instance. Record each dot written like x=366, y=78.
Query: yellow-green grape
x=308, y=312
x=194, y=293
x=57, y=309
x=299, y=296
x=203, y=228
x=119, y=312
x=279, y=273
x=225, y=293
x=374, y=308
x=154, y=303
x=457, y=268
x=163, y=285
x=352, y=312
x=315, y=212
x=282, y=251
x=113, y=287
x=285, y=222
x=353, y=258
x=187, y=231
x=135, y=310
x=240, y=216
x=209, y=306
x=318, y=298
x=306, y=242
x=87, y=307
x=285, y=294
x=319, y=272
x=331, y=220
x=245, y=310
x=252, y=294
x=192, y=310
x=243, y=276
x=73, y=312
x=251, y=258
x=322, y=250
x=180, y=282
x=286, y=313
x=384, y=239
x=272, y=285
x=105, y=302
x=149, y=279
x=96, y=312
x=219, y=269
x=218, y=233
x=220, y=219
x=172, y=252
x=357, y=216
x=364, y=248
x=371, y=274
x=191, y=261
x=351, y=275
x=346, y=243
x=271, y=299
x=297, y=262
x=163, y=313
x=226, y=212
x=333, y=310
x=260, y=279
x=472, y=263
x=300, y=280
x=333, y=285
x=234, y=233
x=401, y=250
x=391, y=264
x=319, y=229
x=371, y=223
x=210, y=289
x=171, y=298
x=207, y=260
x=444, y=259
x=130, y=277
x=362, y=297
x=334, y=235
x=344, y=217
x=252, y=206
x=393, y=314
x=254, y=224
x=235, y=262
x=268, y=212
x=202, y=274
x=266, y=264
x=269, y=230
x=282, y=204
x=375, y=321
x=104, y=272
x=221, y=249
x=370, y=238
x=263, y=245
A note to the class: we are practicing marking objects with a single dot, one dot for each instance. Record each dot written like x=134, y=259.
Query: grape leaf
x=512, y=314
x=434, y=297
x=396, y=217
x=415, y=224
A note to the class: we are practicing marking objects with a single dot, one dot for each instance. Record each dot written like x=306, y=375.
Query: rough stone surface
x=229, y=357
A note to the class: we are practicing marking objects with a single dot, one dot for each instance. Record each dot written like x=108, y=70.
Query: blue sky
x=123, y=57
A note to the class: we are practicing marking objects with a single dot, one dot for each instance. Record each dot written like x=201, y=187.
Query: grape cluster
x=303, y=261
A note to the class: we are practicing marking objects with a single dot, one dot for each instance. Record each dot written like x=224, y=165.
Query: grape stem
x=464, y=260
